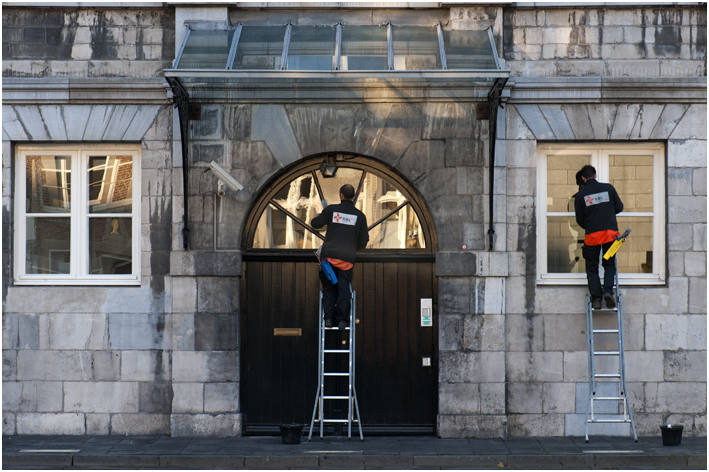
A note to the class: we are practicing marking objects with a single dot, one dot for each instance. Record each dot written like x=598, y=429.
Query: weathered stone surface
x=98, y=424
x=671, y=332
x=698, y=295
x=679, y=181
x=217, y=295
x=558, y=397
x=602, y=117
x=680, y=237
x=658, y=300
x=693, y=124
x=521, y=153
x=139, y=331
x=646, y=121
x=625, y=119
x=534, y=366
x=369, y=123
x=454, y=295
x=187, y=397
x=53, y=365
x=447, y=120
x=671, y=115
x=73, y=331
x=458, y=399
x=561, y=300
x=205, y=263
x=685, y=366
x=101, y=397
x=8, y=423
x=224, y=425
x=683, y=209
x=463, y=152
x=695, y=264
x=221, y=397
x=687, y=153
x=643, y=366
x=9, y=364
x=524, y=397
x=155, y=397
x=270, y=124
x=558, y=121
x=455, y=264
x=203, y=366
x=403, y=126
x=450, y=333
x=145, y=365
x=535, y=425
x=140, y=423
x=521, y=181
x=516, y=126
x=321, y=128
x=564, y=332
x=484, y=332
x=524, y=333
x=20, y=331
x=679, y=397
x=575, y=426
x=34, y=396
x=471, y=426
x=50, y=423
x=419, y=157
x=534, y=119
x=472, y=367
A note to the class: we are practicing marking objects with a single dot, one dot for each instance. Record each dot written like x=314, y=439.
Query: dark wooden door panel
x=279, y=373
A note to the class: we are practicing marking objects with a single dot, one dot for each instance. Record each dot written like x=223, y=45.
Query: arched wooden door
x=397, y=393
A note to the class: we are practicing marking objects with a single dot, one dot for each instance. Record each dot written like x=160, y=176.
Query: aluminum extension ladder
x=618, y=377
x=321, y=397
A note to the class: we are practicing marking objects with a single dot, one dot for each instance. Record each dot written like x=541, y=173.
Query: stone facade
x=164, y=357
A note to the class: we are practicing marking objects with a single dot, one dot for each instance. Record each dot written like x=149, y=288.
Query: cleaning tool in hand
x=619, y=240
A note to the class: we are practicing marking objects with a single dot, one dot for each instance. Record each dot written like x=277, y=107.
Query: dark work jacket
x=596, y=205
x=344, y=236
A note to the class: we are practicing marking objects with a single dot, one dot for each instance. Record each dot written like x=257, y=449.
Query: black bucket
x=291, y=433
x=671, y=434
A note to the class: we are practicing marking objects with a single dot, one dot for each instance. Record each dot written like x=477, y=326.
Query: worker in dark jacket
x=595, y=206
x=346, y=234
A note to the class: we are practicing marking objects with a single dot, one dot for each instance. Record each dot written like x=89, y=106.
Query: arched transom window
x=284, y=222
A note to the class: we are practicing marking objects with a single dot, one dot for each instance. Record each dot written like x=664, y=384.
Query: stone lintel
x=205, y=263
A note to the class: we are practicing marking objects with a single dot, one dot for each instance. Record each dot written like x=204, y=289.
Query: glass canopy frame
x=218, y=49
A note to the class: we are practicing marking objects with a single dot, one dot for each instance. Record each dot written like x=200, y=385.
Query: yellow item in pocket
x=619, y=240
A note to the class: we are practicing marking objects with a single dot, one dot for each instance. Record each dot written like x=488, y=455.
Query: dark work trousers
x=592, y=254
x=336, y=297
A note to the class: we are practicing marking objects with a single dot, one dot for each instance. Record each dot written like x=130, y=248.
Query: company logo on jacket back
x=344, y=219
x=597, y=198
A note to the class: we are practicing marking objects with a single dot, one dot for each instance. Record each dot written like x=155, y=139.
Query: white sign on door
x=427, y=312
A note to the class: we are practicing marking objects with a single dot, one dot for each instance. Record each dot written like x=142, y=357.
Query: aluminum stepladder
x=608, y=377
x=351, y=397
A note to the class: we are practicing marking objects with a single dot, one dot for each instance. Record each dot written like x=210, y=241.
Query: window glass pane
x=48, y=184
x=364, y=48
x=331, y=186
x=632, y=178
x=311, y=48
x=260, y=47
x=48, y=245
x=468, y=50
x=561, y=181
x=276, y=230
x=300, y=198
x=564, y=242
x=399, y=231
x=635, y=255
x=110, y=246
x=416, y=48
x=206, y=50
x=110, y=184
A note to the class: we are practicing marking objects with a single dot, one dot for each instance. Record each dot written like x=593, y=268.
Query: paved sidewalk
x=376, y=452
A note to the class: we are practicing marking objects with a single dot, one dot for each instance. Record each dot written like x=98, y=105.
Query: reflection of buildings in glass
x=48, y=184
x=110, y=184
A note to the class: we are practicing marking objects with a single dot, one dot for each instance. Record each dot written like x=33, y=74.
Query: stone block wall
x=73, y=42
x=665, y=326
x=610, y=41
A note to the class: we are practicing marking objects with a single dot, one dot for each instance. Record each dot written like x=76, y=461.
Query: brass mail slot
x=287, y=332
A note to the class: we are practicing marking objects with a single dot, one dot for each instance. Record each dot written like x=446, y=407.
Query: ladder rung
x=605, y=330
x=609, y=421
x=337, y=329
x=601, y=310
x=335, y=351
x=317, y=420
x=335, y=397
x=607, y=398
x=608, y=376
x=606, y=353
x=336, y=374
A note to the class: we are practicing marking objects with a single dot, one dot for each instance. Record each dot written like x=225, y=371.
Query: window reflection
x=206, y=49
x=416, y=48
x=110, y=184
x=468, y=50
x=110, y=245
x=564, y=245
x=632, y=178
x=48, y=184
x=260, y=47
x=48, y=245
x=331, y=186
x=311, y=48
x=364, y=48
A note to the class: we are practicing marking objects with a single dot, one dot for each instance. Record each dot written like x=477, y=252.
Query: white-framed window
x=77, y=215
x=637, y=171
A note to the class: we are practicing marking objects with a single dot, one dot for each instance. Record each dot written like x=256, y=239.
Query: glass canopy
x=337, y=48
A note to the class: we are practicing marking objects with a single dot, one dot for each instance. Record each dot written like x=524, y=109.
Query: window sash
x=79, y=217
x=600, y=158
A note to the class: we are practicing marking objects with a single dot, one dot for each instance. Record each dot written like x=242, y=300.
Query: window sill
x=77, y=281
x=580, y=279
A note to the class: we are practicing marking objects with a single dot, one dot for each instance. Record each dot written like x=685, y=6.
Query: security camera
x=225, y=177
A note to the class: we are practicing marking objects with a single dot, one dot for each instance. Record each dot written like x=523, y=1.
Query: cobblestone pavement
x=377, y=452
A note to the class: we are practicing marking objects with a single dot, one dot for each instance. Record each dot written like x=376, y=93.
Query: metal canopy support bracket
x=494, y=98
x=181, y=99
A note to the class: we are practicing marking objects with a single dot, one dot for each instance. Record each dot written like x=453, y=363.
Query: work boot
x=609, y=298
x=328, y=322
x=342, y=324
x=596, y=304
